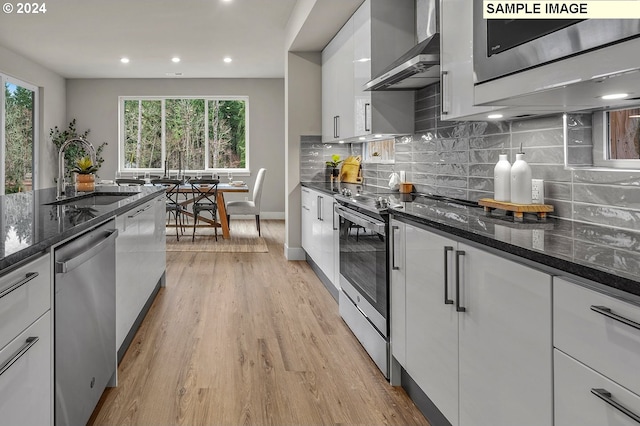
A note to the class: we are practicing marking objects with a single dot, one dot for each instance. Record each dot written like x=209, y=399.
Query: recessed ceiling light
x=494, y=116
x=363, y=60
x=175, y=59
x=377, y=136
x=615, y=96
x=362, y=138
x=340, y=141
x=124, y=60
x=227, y=59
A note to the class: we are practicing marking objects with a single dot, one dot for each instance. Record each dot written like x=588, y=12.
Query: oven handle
x=360, y=219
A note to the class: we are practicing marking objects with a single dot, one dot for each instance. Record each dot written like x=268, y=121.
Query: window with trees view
x=210, y=133
x=17, y=136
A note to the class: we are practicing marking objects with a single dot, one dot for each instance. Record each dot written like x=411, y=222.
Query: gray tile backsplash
x=457, y=159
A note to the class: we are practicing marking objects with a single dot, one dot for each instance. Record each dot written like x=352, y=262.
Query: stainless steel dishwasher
x=85, y=322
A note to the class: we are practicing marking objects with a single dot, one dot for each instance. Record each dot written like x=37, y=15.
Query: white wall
x=51, y=105
x=94, y=104
x=304, y=111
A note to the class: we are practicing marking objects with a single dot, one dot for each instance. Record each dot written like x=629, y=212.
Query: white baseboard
x=263, y=215
x=294, y=253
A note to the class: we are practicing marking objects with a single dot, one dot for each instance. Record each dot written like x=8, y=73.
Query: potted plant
x=334, y=163
x=74, y=152
x=85, y=178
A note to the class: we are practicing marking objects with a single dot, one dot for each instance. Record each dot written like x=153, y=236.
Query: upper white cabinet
x=337, y=86
x=378, y=33
x=456, y=56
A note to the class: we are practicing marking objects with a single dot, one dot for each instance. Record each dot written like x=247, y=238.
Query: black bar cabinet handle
x=16, y=356
x=443, y=92
x=366, y=122
x=603, y=310
x=28, y=277
x=447, y=301
x=458, y=307
x=393, y=248
x=605, y=395
x=337, y=126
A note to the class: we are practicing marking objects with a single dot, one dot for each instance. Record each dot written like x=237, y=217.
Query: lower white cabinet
x=140, y=260
x=478, y=331
x=586, y=398
x=597, y=341
x=319, y=231
x=26, y=391
x=26, y=347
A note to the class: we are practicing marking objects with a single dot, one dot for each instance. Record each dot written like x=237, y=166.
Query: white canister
x=502, y=179
x=520, y=181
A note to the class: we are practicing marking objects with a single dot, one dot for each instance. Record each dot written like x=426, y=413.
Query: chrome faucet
x=61, y=166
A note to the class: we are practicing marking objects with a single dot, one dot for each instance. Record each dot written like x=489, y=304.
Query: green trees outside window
x=210, y=132
x=18, y=137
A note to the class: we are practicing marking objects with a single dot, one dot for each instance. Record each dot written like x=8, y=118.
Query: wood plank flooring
x=248, y=339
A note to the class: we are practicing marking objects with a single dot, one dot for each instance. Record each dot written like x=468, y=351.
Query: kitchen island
x=35, y=228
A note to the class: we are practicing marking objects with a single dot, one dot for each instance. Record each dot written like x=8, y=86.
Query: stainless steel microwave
x=506, y=46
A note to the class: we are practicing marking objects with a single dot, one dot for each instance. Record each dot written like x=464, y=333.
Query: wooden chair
x=249, y=207
x=205, y=193
x=172, y=202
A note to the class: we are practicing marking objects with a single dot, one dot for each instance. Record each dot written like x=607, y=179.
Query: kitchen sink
x=94, y=199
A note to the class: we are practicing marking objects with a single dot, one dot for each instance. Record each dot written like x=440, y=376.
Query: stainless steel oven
x=506, y=46
x=364, y=276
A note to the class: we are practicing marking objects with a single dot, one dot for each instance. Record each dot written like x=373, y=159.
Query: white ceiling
x=87, y=38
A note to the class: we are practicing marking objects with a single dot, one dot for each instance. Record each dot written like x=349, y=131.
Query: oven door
x=363, y=264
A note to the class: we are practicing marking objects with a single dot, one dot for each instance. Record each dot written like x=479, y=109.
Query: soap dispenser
x=520, y=180
x=502, y=179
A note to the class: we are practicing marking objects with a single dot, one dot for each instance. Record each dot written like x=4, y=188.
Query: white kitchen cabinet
x=597, y=341
x=26, y=391
x=26, y=346
x=456, y=56
x=140, y=261
x=477, y=331
x=583, y=330
x=576, y=402
x=378, y=33
x=337, y=86
x=319, y=231
x=505, y=342
x=432, y=324
x=397, y=302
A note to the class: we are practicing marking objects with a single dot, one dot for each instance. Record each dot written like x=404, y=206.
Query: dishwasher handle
x=70, y=264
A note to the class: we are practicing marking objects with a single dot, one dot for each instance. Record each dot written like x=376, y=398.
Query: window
x=17, y=135
x=379, y=151
x=194, y=133
x=616, y=138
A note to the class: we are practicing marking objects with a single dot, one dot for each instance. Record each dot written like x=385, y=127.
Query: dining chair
x=173, y=205
x=127, y=182
x=205, y=193
x=249, y=207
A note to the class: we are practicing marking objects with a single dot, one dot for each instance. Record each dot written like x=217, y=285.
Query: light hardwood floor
x=248, y=339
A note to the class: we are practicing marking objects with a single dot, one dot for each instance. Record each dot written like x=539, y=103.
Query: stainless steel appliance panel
x=85, y=338
x=503, y=47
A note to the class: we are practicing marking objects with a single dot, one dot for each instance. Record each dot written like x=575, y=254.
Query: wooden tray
x=518, y=210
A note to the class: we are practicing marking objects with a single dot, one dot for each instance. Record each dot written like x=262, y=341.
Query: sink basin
x=94, y=199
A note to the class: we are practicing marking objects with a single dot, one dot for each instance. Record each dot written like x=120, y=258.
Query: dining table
x=222, y=210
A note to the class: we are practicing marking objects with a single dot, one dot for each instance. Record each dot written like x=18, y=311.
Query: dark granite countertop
x=604, y=255
x=30, y=225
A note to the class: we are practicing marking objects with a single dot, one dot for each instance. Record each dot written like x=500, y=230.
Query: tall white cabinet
x=477, y=336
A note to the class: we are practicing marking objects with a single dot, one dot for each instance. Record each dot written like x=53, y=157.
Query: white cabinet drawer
x=576, y=403
x=25, y=384
x=606, y=344
x=25, y=294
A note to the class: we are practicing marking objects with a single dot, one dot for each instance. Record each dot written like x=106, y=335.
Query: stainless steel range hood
x=417, y=68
